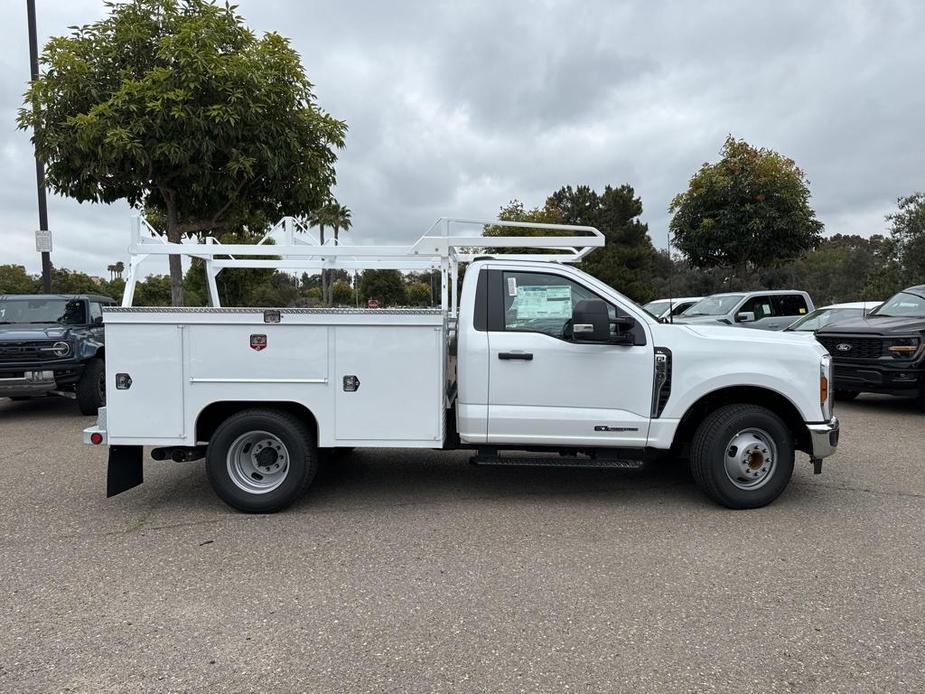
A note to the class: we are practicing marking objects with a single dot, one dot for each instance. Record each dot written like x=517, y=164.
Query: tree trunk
x=176, y=262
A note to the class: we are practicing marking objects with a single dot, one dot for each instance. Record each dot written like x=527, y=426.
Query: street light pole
x=39, y=166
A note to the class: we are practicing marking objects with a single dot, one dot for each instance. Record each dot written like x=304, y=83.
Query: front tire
x=742, y=456
x=91, y=388
x=261, y=460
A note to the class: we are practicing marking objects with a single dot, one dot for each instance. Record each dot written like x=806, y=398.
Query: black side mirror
x=591, y=323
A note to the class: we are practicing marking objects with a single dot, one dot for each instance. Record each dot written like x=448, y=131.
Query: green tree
x=628, y=259
x=342, y=294
x=418, y=294
x=749, y=209
x=15, y=280
x=907, y=232
x=153, y=290
x=386, y=286
x=176, y=105
x=515, y=211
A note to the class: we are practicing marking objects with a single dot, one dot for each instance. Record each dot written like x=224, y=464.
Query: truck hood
x=701, y=320
x=733, y=333
x=33, y=331
x=876, y=325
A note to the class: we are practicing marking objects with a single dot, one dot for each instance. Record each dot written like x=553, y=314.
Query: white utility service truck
x=537, y=363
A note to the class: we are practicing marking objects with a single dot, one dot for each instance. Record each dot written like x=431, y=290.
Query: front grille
x=33, y=350
x=853, y=347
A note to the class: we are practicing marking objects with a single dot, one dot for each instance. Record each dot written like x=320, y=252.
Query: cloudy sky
x=455, y=108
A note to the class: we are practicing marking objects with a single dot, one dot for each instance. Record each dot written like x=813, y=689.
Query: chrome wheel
x=751, y=456
x=258, y=462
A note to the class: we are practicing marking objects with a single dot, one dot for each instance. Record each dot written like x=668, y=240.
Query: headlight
x=903, y=346
x=825, y=386
x=59, y=349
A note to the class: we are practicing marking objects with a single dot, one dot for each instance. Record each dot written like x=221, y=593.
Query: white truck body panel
x=183, y=360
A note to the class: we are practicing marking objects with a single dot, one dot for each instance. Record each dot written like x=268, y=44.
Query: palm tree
x=321, y=218
x=119, y=268
x=339, y=219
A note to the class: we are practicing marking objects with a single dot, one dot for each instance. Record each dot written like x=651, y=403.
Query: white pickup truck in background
x=539, y=364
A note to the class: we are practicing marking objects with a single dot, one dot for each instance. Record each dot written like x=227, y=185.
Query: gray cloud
x=455, y=108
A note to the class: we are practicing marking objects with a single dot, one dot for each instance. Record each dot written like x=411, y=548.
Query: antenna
x=670, y=275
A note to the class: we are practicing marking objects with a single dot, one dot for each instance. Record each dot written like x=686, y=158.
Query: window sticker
x=802, y=310
x=542, y=301
x=512, y=286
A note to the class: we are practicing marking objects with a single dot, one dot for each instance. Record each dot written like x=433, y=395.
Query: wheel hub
x=258, y=462
x=751, y=457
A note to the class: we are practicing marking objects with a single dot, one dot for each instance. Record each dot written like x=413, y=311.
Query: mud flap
x=125, y=469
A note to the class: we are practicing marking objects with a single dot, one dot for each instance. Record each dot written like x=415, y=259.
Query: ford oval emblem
x=843, y=347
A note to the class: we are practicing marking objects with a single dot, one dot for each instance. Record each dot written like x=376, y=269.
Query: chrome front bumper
x=30, y=383
x=823, y=438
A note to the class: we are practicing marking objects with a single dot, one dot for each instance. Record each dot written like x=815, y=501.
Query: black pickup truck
x=52, y=344
x=883, y=352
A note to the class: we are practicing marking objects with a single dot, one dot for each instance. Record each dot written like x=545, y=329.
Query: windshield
x=64, y=311
x=824, y=316
x=714, y=305
x=902, y=305
x=656, y=308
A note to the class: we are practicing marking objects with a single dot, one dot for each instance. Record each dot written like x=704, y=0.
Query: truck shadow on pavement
x=51, y=407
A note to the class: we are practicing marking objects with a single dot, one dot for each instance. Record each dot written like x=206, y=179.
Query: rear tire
x=846, y=394
x=91, y=388
x=261, y=460
x=742, y=456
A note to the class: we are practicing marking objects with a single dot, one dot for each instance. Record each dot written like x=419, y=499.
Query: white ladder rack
x=437, y=249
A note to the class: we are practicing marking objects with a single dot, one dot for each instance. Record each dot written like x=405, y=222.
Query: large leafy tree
x=628, y=259
x=749, y=209
x=176, y=105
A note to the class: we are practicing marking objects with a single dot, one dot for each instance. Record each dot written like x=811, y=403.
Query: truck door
x=546, y=390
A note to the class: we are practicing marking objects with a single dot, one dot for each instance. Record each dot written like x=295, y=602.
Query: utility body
x=539, y=357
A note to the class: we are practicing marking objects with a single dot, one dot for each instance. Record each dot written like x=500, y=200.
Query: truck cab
x=538, y=364
x=763, y=310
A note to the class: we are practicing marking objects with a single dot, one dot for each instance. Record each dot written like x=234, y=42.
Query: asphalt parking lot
x=415, y=572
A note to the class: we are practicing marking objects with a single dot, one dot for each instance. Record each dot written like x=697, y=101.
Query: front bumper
x=823, y=438
x=880, y=378
x=25, y=383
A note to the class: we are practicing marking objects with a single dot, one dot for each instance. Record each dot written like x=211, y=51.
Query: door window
x=541, y=302
x=759, y=305
x=96, y=311
x=790, y=305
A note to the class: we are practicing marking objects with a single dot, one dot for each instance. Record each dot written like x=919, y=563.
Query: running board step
x=557, y=461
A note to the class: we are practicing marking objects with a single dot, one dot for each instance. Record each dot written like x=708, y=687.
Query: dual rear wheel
x=261, y=460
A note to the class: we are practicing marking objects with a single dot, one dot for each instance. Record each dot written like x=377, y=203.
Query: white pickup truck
x=540, y=364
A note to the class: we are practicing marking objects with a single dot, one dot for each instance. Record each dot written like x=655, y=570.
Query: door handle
x=525, y=356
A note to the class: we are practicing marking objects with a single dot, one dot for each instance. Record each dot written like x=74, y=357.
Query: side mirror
x=745, y=317
x=590, y=321
x=98, y=320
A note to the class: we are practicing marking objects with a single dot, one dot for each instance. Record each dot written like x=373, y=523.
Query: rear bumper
x=876, y=378
x=98, y=428
x=823, y=438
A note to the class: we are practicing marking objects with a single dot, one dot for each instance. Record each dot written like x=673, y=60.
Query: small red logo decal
x=258, y=342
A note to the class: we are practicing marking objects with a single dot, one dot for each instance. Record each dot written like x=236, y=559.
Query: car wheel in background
x=91, y=388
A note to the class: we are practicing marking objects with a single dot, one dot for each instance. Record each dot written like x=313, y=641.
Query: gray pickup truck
x=764, y=310
x=52, y=344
